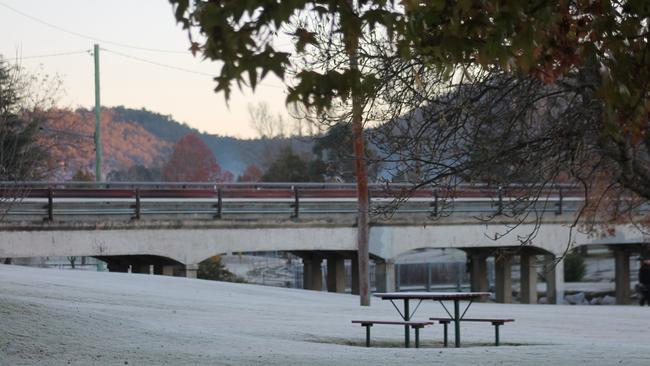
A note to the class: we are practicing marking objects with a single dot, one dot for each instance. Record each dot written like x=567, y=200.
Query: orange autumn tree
x=251, y=174
x=191, y=161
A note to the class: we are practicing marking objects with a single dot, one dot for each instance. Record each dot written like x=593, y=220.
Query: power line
x=47, y=55
x=95, y=39
x=177, y=68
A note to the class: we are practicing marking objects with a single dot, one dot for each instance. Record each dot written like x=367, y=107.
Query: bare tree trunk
x=362, y=182
x=362, y=197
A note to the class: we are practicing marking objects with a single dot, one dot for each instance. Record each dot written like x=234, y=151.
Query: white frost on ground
x=55, y=317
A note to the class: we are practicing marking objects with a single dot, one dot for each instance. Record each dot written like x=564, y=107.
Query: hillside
x=141, y=137
x=68, y=138
x=232, y=154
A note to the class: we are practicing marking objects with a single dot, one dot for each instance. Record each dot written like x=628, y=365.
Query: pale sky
x=188, y=97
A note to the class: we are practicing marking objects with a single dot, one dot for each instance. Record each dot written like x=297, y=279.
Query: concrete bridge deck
x=174, y=227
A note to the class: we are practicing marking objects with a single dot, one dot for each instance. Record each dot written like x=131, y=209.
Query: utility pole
x=98, y=135
x=363, y=203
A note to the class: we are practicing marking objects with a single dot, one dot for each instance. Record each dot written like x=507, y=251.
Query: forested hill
x=232, y=154
x=141, y=137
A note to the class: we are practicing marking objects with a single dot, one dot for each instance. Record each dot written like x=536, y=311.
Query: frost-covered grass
x=55, y=317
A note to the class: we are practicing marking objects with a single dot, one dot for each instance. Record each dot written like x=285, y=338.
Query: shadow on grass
x=399, y=343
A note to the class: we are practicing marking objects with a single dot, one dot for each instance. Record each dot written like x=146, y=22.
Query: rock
x=595, y=301
x=608, y=300
x=543, y=300
x=576, y=298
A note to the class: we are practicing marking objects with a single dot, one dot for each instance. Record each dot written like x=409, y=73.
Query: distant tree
x=290, y=167
x=72, y=261
x=23, y=100
x=264, y=122
x=21, y=115
x=191, y=161
x=251, y=174
x=574, y=267
x=226, y=177
x=136, y=173
x=83, y=175
x=213, y=269
x=334, y=149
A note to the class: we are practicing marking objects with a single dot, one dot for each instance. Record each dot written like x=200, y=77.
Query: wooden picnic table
x=456, y=297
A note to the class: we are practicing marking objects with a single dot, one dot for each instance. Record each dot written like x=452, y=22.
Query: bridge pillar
x=335, y=273
x=385, y=276
x=312, y=275
x=503, y=277
x=622, y=275
x=189, y=270
x=528, y=292
x=554, y=274
x=478, y=270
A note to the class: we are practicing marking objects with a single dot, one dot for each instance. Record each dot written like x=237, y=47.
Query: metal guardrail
x=137, y=200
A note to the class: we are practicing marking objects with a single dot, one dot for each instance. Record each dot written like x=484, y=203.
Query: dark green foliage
x=136, y=173
x=20, y=156
x=213, y=269
x=574, y=267
x=290, y=167
x=334, y=150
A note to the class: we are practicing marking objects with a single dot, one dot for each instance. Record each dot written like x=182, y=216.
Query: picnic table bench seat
x=417, y=325
x=496, y=322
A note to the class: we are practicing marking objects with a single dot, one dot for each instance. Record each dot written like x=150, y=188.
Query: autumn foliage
x=67, y=136
x=191, y=161
x=251, y=174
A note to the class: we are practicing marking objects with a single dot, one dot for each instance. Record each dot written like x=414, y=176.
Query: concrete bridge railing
x=176, y=226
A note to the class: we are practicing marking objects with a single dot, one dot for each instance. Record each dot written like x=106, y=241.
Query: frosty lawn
x=54, y=317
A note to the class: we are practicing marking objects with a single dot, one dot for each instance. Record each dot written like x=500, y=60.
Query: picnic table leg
x=445, y=325
x=457, y=322
x=368, y=334
x=496, y=333
x=417, y=337
x=407, y=317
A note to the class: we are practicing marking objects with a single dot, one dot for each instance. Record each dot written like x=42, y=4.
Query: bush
x=574, y=267
x=213, y=269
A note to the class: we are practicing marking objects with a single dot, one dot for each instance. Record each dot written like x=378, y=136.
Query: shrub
x=213, y=269
x=574, y=267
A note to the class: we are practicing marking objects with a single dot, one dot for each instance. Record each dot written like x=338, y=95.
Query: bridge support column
x=478, y=271
x=189, y=270
x=528, y=292
x=503, y=277
x=312, y=275
x=335, y=273
x=551, y=278
x=354, y=285
x=622, y=275
x=385, y=276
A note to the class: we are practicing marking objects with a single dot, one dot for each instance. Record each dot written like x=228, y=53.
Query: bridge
x=173, y=227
